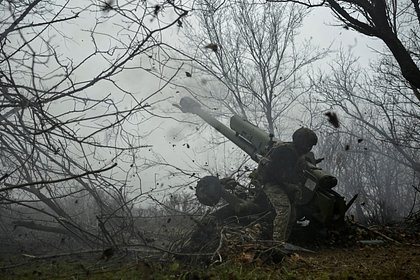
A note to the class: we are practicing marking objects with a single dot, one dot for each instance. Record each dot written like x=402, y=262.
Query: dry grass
x=364, y=262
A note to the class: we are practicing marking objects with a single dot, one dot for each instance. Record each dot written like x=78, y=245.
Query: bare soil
x=389, y=261
x=381, y=252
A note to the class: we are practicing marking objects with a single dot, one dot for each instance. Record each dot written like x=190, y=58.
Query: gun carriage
x=318, y=202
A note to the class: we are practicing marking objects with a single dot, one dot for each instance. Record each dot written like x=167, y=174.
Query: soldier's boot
x=285, y=213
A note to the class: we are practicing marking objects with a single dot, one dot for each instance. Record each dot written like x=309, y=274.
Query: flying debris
x=179, y=22
x=156, y=10
x=188, y=74
x=359, y=140
x=333, y=119
x=212, y=46
x=107, y=6
x=347, y=147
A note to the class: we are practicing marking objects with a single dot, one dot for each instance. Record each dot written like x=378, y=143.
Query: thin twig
x=11, y=187
x=377, y=233
x=219, y=247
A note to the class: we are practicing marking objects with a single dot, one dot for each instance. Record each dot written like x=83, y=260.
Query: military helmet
x=304, y=137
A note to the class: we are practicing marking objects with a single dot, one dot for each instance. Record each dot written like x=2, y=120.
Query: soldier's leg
x=285, y=214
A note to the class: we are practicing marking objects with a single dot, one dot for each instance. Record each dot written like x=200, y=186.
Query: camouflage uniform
x=281, y=174
x=284, y=215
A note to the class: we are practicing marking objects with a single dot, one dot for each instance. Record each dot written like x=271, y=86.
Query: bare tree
x=67, y=115
x=380, y=101
x=367, y=167
x=396, y=23
x=251, y=55
x=375, y=151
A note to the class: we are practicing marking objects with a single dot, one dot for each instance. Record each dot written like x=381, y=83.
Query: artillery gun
x=318, y=202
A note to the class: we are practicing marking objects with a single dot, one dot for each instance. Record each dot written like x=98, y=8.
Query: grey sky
x=169, y=138
x=168, y=135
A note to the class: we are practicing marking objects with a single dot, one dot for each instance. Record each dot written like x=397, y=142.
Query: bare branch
x=12, y=27
x=11, y=187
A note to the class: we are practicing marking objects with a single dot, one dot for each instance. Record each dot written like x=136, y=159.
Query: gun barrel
x=260, y=139
x=189, y=105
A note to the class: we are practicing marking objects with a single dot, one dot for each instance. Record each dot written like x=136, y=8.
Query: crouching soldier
x=281, y=173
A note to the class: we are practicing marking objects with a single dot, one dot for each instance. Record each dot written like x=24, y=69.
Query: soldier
x=281, y=173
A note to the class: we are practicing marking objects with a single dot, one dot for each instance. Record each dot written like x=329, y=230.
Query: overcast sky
x=169, y=136
x=170, y=139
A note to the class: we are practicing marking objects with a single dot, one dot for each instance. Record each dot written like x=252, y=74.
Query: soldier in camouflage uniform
x=281, y=173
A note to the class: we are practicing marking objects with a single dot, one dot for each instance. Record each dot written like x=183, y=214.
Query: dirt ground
x=384, y=261
x=389, y=261
x=381, y=252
